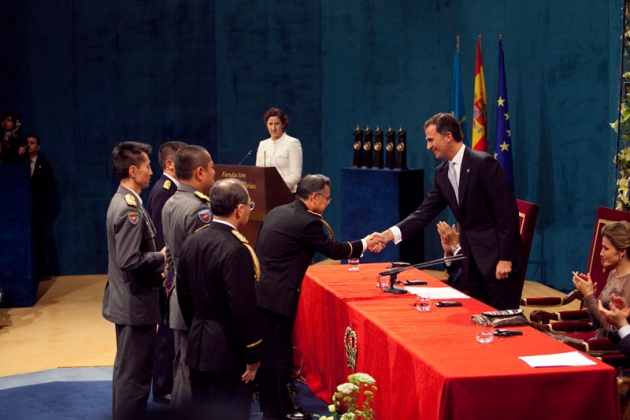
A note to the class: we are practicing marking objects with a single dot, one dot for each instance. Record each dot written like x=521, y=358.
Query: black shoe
x=298, y=415
x=162, y=399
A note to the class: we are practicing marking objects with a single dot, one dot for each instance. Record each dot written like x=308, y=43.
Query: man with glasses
x=215, y=284
x=288, y=239
x=131, y=299
x=184, y=213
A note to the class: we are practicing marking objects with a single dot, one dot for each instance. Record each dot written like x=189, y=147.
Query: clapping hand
x=584, y=284
x=618, y=313
x=449, y=237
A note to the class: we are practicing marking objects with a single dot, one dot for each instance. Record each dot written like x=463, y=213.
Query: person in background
x=46, y=207
x=449, y=238
x=12, y=146
x=215, y=286
x=280, y=150
x=184, y=213
x=163, y=189
x=614, y=253
x=288, y=239
x=135, y=272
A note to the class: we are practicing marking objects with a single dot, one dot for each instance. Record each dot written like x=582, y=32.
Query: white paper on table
x=572, y=358
x=437, y=292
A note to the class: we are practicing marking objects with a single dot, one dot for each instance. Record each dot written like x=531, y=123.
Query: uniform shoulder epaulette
x=167, y=185
x=243, y=239
x=202, y=196
x=131, y=200
x=201, y=228
x=326, y=225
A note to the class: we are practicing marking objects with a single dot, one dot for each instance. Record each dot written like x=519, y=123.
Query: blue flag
x=503, y=144
x=457, y=98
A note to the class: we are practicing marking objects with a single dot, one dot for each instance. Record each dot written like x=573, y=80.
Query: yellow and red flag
x=479, y=131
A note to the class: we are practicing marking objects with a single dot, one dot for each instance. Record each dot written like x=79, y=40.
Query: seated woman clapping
x=615, y=245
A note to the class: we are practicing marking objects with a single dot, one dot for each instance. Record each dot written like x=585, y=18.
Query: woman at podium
x=280, y=150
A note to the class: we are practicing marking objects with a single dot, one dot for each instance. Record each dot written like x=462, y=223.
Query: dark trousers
x=133, y=366
x=276, y=365
x=500, y=294
x=220, y=396
x=163, y=360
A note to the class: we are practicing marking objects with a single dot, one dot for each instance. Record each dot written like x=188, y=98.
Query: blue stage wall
x=86, y=75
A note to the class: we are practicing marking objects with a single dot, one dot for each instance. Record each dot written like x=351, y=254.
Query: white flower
x=332, y=408
x=347, y=388
x=361, y=378
x=348, y=416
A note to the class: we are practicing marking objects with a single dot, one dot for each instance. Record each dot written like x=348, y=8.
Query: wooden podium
x=266, y=188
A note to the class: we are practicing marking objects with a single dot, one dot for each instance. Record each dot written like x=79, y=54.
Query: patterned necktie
x=452, y=176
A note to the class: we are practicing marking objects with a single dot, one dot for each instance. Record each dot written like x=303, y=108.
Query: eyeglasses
x=328, y=199
x=251, y=205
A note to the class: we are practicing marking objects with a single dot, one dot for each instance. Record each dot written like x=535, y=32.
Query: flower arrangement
x=353, y=399
x=622, y=125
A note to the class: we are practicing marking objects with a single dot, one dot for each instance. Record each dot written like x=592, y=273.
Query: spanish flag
x=479, y=131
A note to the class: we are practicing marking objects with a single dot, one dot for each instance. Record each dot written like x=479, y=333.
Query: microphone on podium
x=244, y=157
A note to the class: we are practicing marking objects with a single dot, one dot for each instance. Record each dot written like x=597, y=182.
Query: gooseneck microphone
x=245, y=157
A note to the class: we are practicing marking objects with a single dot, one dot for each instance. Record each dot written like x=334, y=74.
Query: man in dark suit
x=183, y=214
x=163, y=189
x=215, y=285
x=288, y=239
x=475, y=187
x=46, y=208
x=134, y=275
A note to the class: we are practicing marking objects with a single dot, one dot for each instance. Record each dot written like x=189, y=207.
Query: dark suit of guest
x=163, y=189
x=288, y=239
x=488, y=217
x=182, y=215
x=131, y=300
x=46, y=208
x=215, y=285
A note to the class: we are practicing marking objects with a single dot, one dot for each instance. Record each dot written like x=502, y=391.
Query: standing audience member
x=288, y=239
x=183, y=214
x=135, y=269
x=215, y=284
x=281, y=150
x=164, y=356
x=475, y=187
x=46, y=208
x=12, y=146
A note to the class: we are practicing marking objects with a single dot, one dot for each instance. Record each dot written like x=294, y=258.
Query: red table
x=428, y=365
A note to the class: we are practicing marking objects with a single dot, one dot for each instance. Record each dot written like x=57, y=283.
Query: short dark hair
x=39, y=143
x=226, y=194
x=167, y=151
x=310, y=184
x=277, y=112
x=125, y=155
x=188, y=159
x=445, y=123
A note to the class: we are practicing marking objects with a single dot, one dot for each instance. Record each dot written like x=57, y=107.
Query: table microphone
x=244, y=157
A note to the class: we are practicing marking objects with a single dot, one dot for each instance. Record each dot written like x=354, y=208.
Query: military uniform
x=184, y=213
x=288, y=239
x=131, y=300
x=215, y=285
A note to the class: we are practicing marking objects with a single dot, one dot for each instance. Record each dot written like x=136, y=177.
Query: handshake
x=376, y=241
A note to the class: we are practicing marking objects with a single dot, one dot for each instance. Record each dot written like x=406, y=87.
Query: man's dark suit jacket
x=487, y=213
x=215, y=287
x=161, y=191
x=288, y=238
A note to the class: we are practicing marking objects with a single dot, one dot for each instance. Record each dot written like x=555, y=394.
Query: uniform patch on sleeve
x=204, y=215
x=133, y=217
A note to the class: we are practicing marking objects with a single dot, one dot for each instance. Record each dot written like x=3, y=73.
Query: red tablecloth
x=428, y=365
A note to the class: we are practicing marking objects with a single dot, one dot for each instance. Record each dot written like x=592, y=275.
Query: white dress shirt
x=285, y=154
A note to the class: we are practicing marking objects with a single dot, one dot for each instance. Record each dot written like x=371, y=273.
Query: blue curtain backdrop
x=86, y=75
